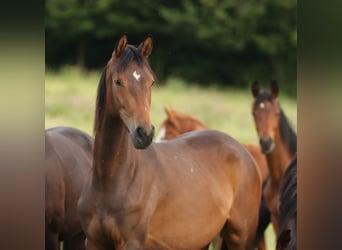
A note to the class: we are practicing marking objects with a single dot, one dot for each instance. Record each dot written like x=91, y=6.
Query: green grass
x=70, y=101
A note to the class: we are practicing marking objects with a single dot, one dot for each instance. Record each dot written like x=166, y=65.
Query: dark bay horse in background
x=287, y=238
x=278, y=142
x=68, y=158
x=177, y=123
x=173, y=195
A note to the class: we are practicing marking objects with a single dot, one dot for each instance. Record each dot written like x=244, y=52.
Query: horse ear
x=120, y=45
x=145, y=46
x=274, y=89
x=255, y=88
x=166, y=109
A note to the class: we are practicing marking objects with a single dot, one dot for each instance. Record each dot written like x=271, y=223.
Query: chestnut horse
x=287, y=238
x=68, y=157
x=278, y=142
x=177, y=123
x=174, y=195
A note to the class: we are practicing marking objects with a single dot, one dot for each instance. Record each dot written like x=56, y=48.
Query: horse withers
x=171, y=195
x=68, y=157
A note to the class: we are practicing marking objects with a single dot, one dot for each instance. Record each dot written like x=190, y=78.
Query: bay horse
x=177, y=123
x=287, y=238
x=278, y=142
x=68, y=158
x=175, y=195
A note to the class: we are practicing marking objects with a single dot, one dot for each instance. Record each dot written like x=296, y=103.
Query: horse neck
x=279, y=159
x=112, y=150
x=284, y=150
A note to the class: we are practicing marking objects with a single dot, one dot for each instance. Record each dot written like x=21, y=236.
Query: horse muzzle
x=142, y=139
x=267, y=145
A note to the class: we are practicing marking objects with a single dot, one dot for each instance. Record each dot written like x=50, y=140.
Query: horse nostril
x=140, y=132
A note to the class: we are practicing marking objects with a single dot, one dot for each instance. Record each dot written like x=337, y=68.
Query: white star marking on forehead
x=262, y=105
x=136, y=75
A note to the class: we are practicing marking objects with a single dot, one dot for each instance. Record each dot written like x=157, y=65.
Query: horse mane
x=288, y=198
x=286, y=132
x=100, y=100
x=130, y=54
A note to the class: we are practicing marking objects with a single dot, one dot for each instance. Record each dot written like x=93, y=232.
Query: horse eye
x=152, y=83
x=118, y=82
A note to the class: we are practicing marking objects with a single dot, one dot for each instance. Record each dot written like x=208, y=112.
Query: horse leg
x=75, y=243
x=239, y=231
x=264, y=220
x=51, y=241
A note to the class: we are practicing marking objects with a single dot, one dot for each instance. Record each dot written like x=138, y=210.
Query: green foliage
x=230, y=42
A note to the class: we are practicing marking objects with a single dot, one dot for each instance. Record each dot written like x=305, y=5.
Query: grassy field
x=70, y=101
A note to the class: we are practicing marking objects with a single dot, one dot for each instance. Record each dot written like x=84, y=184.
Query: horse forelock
x=262, y=97
x=131, y=54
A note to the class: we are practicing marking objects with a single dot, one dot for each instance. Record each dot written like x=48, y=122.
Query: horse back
x=206, y=158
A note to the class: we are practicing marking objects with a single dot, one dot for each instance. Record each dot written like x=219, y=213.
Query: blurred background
x=206, y=55
x=229, y=43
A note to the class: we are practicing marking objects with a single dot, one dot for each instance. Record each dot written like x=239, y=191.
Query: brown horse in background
x=177, y=123
x=278, y=142
x=173, y=195
x=287, y=238
x=68, y=157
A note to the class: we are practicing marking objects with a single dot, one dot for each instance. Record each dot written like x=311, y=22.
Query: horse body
x=196, y=196
x=278, y=142
x=68, y=156
x=178, y=123
x=171, y=195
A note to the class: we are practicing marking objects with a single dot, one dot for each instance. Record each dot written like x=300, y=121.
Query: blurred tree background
x=229, y=43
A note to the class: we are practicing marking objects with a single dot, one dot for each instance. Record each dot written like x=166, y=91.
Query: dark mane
x=100, y=100
x=288, y=199
x=130, y=54
x=286, y=132
x=288, y=135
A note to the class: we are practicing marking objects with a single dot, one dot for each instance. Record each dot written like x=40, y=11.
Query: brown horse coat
x=178, y=123
x=277, y=140
x=171, y=195
x=68, y=156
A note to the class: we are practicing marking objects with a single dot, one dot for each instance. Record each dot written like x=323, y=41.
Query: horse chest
x=114, y=219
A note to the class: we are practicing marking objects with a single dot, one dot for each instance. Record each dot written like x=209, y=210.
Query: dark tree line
x=230, y=42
